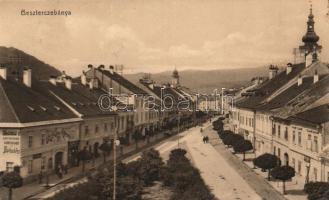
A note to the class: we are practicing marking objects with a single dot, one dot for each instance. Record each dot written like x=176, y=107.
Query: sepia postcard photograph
x=164, y=100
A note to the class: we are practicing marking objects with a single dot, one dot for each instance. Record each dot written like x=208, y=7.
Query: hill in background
x=15, y=60
x=206, y=81
x=198, y=80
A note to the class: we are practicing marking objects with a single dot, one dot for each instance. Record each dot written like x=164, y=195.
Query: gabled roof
x=287, y=95
x=266, y=88
x=305, y=99
x=80, y=98
x=21, y=104
x=317, y=115
x=124, y=82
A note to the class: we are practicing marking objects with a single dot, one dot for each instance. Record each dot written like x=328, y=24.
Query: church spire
x=310, y=39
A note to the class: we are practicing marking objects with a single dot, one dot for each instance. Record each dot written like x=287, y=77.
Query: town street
x=227, y=176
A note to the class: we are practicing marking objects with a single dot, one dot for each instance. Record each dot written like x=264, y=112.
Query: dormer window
x=43, y=108
x=57, y=108
x=32, y=109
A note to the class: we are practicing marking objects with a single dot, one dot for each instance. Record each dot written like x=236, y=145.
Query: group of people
x=61, y=169
x=205, y=139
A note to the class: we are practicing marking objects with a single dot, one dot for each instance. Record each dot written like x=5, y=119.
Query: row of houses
x=46, y=123
x=288, y=114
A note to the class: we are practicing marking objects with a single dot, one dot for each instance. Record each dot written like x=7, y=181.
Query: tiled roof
x=317, y=115
x=124, y=82
x=266, y=88
x=21, y=104
x=287, y=95
x=80, y=98
x=306, y=98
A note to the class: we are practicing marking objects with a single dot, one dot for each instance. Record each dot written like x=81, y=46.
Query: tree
x=150, y=166
x=184, y=179
x=11, y=181
x=231, y=138
x=106, y=148
x=283, y=173
x=84, y=156
x=266, y=162
x=137, y=136
x=317, y=190
x=218, y=125
x=242, y=146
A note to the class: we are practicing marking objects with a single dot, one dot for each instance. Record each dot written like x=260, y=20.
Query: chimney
x=52, y=80
x=289, y=68
x=3, y=71
x=27, y=76
x=300, y=80
x=68, y=82
x=273, y=71
x=101, y=67
x=83, y=78
x=91, y=84
x=111, y=69
x=308, y=60
x=316, y=77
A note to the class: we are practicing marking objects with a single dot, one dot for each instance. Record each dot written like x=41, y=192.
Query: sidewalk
x=223, y=180
x=294, y=188
x=34, y=188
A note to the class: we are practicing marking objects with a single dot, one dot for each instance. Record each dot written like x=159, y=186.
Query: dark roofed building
x=22, y=104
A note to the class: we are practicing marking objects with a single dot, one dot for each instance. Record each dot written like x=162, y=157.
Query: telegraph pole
x=178, y=128
x=114, y=164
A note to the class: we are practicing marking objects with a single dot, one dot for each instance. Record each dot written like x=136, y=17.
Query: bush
x=100, y=186
x=106, y=147
x=11, y=181
x=184, y=179
x=317, y=190
x=150, y=166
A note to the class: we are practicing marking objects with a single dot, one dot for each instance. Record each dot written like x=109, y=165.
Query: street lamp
x=308, y=166
x=222, y=111
x=115, y=144
x=178, y=128
x=216, y=102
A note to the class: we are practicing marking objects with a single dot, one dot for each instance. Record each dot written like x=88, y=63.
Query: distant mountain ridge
x=203, y=81
x=15, y=60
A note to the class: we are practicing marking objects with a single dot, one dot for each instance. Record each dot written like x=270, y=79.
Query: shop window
x=50, y=163
x=30, y=141
x=299, y=167
x=43, y=163
x=9, y=166
x=43, y=139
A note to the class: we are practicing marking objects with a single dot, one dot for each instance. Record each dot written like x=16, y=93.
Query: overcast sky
x=157, y=35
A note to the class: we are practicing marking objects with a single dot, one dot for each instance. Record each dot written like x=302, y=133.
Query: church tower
x=175, y=78
x=310, y=39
